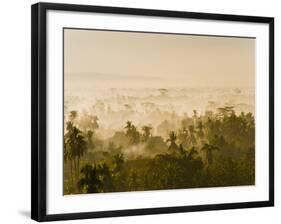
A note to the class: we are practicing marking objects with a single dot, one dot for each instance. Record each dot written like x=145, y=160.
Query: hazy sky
x=127, y=59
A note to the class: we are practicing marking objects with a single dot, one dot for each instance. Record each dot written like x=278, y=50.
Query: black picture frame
x=38, y=108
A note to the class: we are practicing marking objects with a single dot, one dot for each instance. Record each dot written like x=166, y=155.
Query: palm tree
x=192, y=135
x=146, y=132
x=90, y=180
x=118, y=160
x=195, y=117
x=172, y=138
x=132, y=133
x=89, y=135
x=195, y=114
x=105, y=176
x=135, y=135
x=209, y=152
x=183, y=136
x=128, y=126
x=73, y=115
x=67, y=157
x=182, y=152
x=192, y=153
x=68, y=150
x=200, y=133
x=81, y=148
x=75, y=146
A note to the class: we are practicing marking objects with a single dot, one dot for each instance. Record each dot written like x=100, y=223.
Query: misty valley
x=137, y=139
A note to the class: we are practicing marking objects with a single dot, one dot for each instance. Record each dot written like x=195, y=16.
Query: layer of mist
x=154, y=106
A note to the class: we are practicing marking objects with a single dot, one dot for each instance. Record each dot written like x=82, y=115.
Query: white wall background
x=15, y=110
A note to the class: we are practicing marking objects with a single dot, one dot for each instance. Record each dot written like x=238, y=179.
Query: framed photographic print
x=140, y=111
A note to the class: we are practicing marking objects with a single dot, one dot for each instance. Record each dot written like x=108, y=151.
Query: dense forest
x=210, y=149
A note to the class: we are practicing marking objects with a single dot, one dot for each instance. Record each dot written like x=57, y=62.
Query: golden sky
x=130, y=59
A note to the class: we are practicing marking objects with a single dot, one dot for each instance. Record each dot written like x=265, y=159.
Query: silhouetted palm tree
x=132, y=133
x=209, y=152
x=192, y=132
x=90, y=138
x=118, y=161
x=192, y=153
x=90, y=180
x=182, y=152
x=128, y=126
x=75, y=146
x=146, y=132
x=73, y=115
x=172, y=138
x=200, y=133
x=183, y=136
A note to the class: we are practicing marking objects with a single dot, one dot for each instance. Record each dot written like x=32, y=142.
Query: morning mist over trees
x=157, y=112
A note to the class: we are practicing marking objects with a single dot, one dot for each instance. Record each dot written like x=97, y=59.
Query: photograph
x=150, y=111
